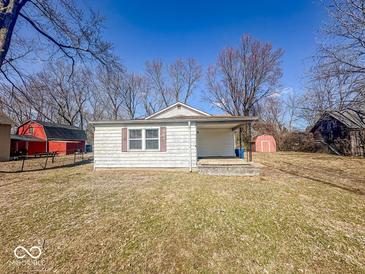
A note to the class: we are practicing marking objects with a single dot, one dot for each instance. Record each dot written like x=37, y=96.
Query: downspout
x=190, y=153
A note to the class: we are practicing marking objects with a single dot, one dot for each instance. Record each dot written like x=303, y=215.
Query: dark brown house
x=342, y=132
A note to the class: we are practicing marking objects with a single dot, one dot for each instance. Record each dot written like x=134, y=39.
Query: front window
x=144, y=139
x=152, y=140
x=135, y=139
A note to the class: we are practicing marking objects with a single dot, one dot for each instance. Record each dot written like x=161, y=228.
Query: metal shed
x=5, y=127
x=265, y=143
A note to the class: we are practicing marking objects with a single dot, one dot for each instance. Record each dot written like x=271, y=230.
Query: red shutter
x=124, y=139
x=163, y=139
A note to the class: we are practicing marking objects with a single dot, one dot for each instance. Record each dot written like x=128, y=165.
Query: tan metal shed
x=5, y=127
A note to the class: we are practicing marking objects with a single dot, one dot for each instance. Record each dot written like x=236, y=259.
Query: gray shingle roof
x=354, y=119
x=62, y=132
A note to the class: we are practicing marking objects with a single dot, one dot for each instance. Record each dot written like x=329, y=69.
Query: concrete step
x=247, y=169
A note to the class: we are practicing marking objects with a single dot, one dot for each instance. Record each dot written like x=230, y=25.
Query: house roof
x=201, y=117
x=197, y=111
x=352, y=119
x=5, y=120
x=58, y=132
x=198, y=119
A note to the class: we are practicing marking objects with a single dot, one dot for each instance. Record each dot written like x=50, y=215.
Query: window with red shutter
x=124, y=139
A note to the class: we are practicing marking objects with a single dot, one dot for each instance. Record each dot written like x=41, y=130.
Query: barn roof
x=58, y=132
x=353, y=119
x=5, y=120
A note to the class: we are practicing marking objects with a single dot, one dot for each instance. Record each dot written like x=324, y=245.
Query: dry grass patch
x=173, y=221
x=343, y=172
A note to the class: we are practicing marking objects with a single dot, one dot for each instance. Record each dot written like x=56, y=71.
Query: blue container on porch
x=240, y=153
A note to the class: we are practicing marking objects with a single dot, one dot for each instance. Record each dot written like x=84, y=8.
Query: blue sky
x=145, y=30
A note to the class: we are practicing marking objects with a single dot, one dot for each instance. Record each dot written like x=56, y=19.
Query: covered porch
x=216, y=144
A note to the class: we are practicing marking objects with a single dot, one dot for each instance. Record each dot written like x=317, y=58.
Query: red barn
x=37, y=136
x=265, y=143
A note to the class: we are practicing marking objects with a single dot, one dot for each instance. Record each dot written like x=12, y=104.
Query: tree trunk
x=8, y=16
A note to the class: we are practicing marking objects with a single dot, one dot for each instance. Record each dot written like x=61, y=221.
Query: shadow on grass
x=312, y=178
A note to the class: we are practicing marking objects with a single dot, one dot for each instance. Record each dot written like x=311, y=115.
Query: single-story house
x=38, y=137
x=177, y=137
x=5, y=128
x=342, y=132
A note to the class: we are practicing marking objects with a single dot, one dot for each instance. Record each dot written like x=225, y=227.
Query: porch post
x=240, y=133
x=250, y=142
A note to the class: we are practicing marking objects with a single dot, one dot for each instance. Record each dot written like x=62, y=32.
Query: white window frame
x=144, y=139
x=128, y=139
x=158, y=139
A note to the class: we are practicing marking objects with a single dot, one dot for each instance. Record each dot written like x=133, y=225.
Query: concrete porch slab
x=228, y=167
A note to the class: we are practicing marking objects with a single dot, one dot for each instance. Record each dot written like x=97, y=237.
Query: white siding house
x=108, y=147
x=175, y=137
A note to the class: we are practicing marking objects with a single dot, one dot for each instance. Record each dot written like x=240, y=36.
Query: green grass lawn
x=287, y=220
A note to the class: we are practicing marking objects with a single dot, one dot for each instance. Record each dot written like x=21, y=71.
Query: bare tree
x=133, y=89
x=322, y=94
x=330, y=88
x=67, y=96
x=111, y=81
x=184, y=77
x=50, y=95
x=293, y=114
x=243, y=76
x=150, y=100
x=343, y=52
x=62, y=24
x=273, y=112
x=47, y=30
x=96, y=103
x=172, y=83
x=15, y=105
x=9, y=11
x=155, y=76
x=339, y=72
x=345, y=38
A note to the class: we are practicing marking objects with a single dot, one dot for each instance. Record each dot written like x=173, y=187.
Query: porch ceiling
x=218, y=125
x=225, y=122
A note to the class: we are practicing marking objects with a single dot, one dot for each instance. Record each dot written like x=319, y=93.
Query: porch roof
x=25, y=138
